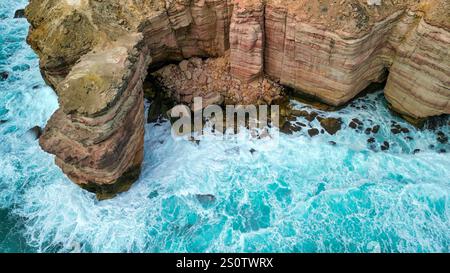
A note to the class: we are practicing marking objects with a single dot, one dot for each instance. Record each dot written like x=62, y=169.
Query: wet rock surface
x=331, y=125
x=4, y=75
x=313, y=132
x=20, y=13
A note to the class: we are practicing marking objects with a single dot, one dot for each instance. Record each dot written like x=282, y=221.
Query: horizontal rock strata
x=95, y=54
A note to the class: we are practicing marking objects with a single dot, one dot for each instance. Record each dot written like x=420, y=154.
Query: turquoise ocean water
x=304, y=196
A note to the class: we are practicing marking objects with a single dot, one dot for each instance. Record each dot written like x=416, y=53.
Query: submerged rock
x=433, y=123
x=385, y=146
x=375, y=129
x=309, y=116
x=313, y=132
x=395, y=131
x=289, y=128
x=355, y=123
x=4, y=75
x=441, y=137
x=206, y=200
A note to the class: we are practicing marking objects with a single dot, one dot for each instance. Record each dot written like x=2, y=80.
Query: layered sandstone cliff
x=95, y=54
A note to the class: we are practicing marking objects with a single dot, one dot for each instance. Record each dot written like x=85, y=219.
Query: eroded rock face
x=247, y=40
x=95, y=54
x=332, y=52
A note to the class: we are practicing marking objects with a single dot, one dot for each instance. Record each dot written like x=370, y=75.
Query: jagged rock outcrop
x=95, y=54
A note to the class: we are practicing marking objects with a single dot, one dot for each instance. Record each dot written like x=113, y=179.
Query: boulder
x=331, y=125
x=20, y=13
x=313, y=132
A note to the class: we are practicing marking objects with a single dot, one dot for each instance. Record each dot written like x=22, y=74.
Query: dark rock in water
x=375, y=129
x=313, y=132
x=405, y=130
x=353, y=125
x=431, y=146
x=307, y=115
x=20, y=13
x=373, y=147
x=385, y=146
x=371, y=140
x=300, y=124
x=416, y=151
x=368, y=131
x=332, y=143
x=357, y=121
x=395, y=131
x=3, y=121
x=409, y=138
x=442, y=138
x=36, y=131
x=322, y=131
x=442, y=151
x=331, y=125
x=289, y=128
x=311, y=116
x=434, y=123
x=4, y=75
x=286, y=128
x=252, y=151
x=320, y=118
x=302, y=113
x=206, y=199
x=299, y=113
x=153, y=194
